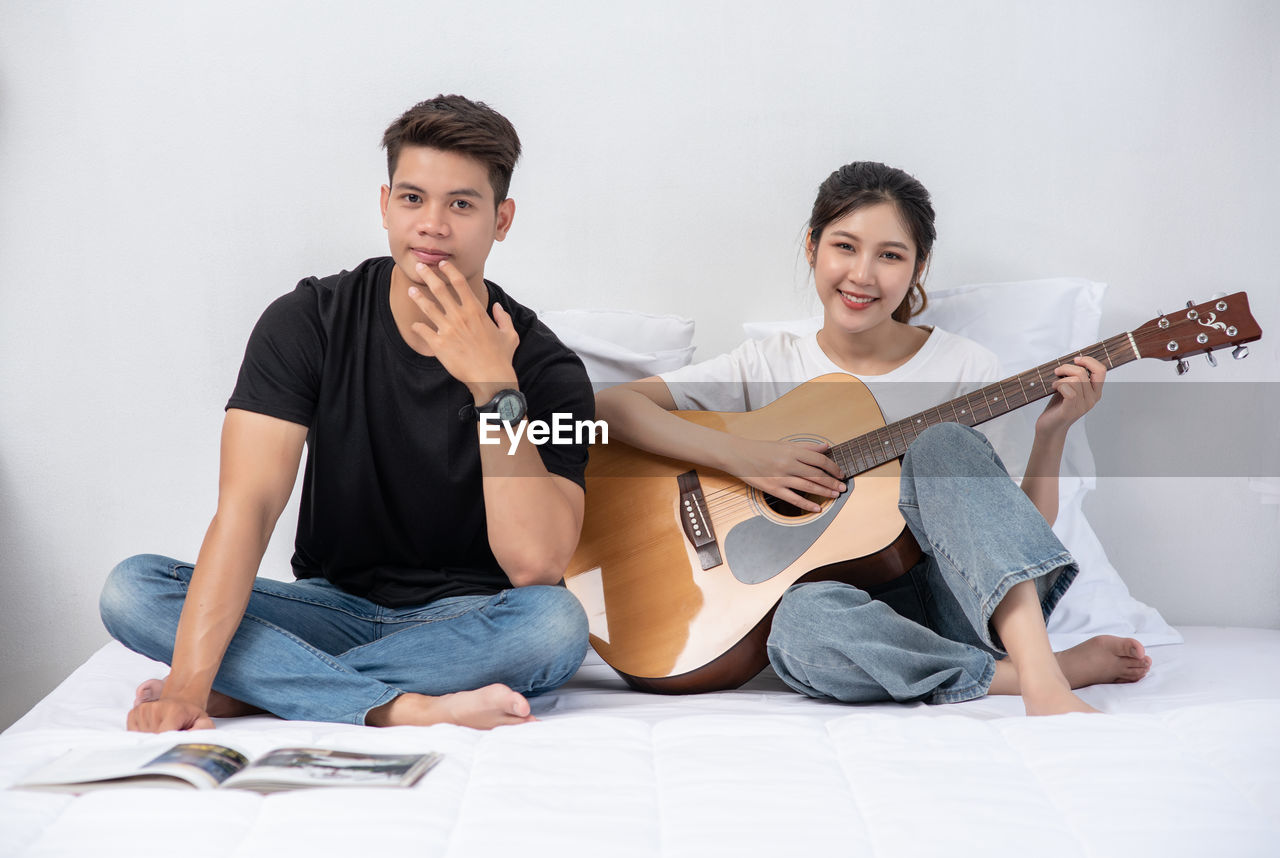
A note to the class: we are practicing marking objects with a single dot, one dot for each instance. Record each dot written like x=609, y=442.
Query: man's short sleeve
x=280, y=374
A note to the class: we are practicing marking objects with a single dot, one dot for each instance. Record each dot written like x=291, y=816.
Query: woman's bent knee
x=805, y=608
x=948, y=437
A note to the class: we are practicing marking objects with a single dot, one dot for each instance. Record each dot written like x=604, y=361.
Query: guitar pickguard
x=758, y=549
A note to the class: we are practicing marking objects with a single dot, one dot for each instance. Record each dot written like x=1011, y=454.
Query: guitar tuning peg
x=1240, y=352
x=1183, y=366
x=1213, y=361
x=1190, y=304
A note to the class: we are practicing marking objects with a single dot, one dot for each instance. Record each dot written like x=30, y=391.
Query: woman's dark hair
x=865, y=183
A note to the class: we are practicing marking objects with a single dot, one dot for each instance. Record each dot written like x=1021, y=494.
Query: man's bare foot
x=1104, y=659
x=219, y=705
x=148, y=691
x=483, y=709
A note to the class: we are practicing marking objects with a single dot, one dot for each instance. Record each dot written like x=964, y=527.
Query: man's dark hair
x=452, y=123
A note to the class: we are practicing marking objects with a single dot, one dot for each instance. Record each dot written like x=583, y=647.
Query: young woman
x=970, y=617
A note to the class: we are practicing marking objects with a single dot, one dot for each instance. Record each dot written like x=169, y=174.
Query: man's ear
x=506, y=214
x=386, y=198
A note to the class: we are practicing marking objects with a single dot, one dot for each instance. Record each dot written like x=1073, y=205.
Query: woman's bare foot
x=1104, y=659
x=219, y=705
x=483, y=708
x=1100, y=660
x=1052, y=698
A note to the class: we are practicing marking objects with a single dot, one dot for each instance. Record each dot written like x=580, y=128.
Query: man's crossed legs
x=307, y=650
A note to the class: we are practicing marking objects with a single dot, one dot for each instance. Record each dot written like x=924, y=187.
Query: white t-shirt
x=759, y=371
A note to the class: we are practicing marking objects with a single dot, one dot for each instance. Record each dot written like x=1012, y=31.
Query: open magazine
x=208, y=766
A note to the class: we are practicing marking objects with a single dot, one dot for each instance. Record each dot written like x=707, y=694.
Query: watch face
x=509, y=408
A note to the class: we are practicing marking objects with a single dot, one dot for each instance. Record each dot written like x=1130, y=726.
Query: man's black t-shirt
x=392, y=506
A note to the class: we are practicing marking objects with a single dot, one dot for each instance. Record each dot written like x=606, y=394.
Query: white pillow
x=621, y=345
x=1026, y=324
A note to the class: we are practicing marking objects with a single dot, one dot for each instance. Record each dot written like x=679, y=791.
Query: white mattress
x=1187, y=763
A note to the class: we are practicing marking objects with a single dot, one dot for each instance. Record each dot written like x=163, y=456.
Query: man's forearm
x=215, y=603
x=533, y=525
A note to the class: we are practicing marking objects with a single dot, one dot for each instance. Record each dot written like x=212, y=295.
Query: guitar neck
x=891, y=441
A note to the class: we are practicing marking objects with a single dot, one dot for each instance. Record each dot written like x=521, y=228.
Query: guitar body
x=666, y=623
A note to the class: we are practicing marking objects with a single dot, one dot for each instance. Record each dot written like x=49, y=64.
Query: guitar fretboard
x=891, y=441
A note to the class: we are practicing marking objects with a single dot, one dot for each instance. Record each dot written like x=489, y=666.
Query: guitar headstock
x=1198, y=329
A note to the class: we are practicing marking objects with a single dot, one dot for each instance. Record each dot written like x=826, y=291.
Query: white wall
x=168, y=168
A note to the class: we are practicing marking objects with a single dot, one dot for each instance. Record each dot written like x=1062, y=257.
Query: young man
x=426, y=560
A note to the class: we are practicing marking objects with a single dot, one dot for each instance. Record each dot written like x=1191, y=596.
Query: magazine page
x=293, y=768
x=201, y=764
x=198, y=765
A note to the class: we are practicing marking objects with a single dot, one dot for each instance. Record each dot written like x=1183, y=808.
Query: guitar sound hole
x=789, y=510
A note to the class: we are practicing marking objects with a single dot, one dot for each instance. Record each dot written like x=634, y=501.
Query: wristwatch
x=508, y=404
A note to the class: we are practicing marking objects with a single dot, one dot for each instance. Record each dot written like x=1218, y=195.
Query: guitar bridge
x=696, y=522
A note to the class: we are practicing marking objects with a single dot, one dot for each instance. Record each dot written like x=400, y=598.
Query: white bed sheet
x=1187, y=763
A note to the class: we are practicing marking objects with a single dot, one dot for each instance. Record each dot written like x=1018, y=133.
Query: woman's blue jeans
x=307, y=650
x=980, y=535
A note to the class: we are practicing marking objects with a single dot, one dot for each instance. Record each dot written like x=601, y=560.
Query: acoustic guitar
x=680, y=567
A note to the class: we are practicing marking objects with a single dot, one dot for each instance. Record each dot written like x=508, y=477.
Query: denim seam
x=321, y=654
x=804, y=688
x=1059, y=588
x=501, y=599
x=1027, y=573
x=938, y=550
x=173, y=571
x=173, y=568
x=411, y=623
x=336, y=665
x=362, y=717
x=973, y=690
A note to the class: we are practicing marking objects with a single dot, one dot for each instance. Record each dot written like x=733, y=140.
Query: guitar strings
x=864, y=456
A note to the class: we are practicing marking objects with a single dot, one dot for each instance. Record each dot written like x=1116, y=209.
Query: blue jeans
x=980, y=535
x=307, y=650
